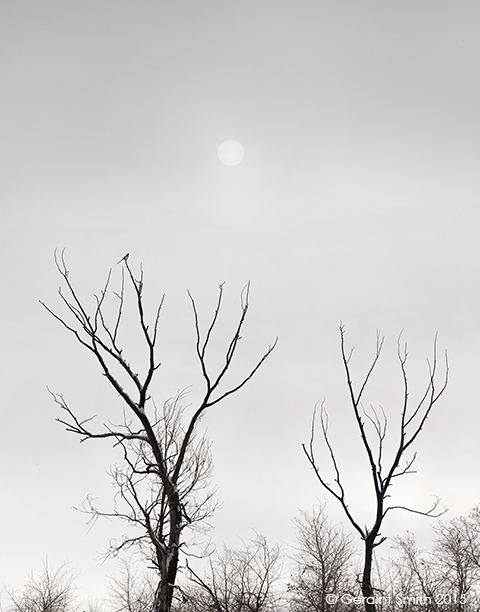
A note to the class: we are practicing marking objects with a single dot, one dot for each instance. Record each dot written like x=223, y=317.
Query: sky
x=357, y=201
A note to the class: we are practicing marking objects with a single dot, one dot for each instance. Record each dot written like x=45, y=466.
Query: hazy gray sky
x=358, y=199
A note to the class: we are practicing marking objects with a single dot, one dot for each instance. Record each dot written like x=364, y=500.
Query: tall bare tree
x=411, y=422
x=159, y=451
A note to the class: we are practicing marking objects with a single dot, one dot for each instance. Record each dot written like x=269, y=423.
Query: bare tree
x=425, y=581
x=322, y=563
x=411, y=423
x=241, y=580
x=456, y=556
x=51, y=591
x=471, y=532
x=159, y=453
x=444, y=578
x=132, y=590
x=411, y=583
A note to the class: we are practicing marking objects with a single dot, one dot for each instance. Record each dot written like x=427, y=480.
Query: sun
x=230, y=152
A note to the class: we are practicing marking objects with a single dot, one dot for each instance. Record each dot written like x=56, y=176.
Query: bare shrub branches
x=243, y=579
x=51, y=591
x=322, y=564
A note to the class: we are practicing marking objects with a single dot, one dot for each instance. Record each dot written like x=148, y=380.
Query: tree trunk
x=168, y=560
x=367, y=588
x=164, y=592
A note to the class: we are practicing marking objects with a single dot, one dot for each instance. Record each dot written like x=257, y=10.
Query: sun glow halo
x=230, y=152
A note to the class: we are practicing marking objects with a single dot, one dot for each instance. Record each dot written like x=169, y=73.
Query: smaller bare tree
x=456, y=560
x=472, y=535
x=243, y=580
x=132, y=590
x=51, y=591
x=323, y=563
x=419, y=577
x=445, y=578
x=411, y=423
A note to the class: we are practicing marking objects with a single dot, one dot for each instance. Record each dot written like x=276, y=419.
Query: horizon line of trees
x=321, y=572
